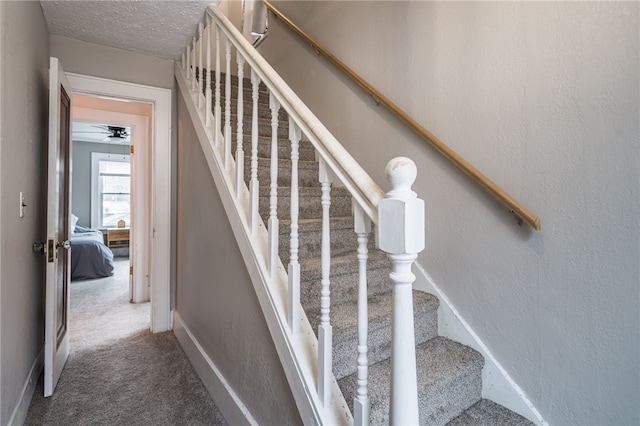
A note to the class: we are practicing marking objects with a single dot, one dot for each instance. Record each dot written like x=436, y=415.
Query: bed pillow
x=74, y=221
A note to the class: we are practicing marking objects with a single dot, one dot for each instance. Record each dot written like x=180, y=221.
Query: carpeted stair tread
x=449, y=382
x=487, y=413
x=344, y=320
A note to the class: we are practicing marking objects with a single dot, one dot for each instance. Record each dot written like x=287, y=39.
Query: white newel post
x=401, y=235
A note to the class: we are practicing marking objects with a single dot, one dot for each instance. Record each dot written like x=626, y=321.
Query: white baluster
x=227, y=108
x=325, y=331
x=200, y=74
x=294, y=266
x=362, y=226
x=188, y=55
x=255, y=188
x=217, y=111
x=274, y=105
x=193, y=64
x=207, y=100
x=240, y=126
x=401, y=235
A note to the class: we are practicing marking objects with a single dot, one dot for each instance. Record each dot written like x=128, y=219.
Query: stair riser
x=439, y=408
x=305, y=177
x=343, y=240
x=264, y=129
x=263, y=95
x=264, y=126
x=263, y=108
x=309, y=205
x=234, y=80
x=306, y=152
x=344, y=287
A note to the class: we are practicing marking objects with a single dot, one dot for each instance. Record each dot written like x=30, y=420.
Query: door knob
x=63, y=244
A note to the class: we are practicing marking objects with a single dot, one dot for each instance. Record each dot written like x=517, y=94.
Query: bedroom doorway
x=111, y=144
x=159, y=163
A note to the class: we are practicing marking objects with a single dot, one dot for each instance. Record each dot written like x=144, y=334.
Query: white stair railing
x=398, y=216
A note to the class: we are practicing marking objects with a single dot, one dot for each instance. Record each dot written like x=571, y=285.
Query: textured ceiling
x=156, y=28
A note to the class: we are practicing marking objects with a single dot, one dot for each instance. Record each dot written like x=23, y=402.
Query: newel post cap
x=401, y=214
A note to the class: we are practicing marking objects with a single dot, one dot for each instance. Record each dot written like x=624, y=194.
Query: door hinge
x=130, y=270
x=131, y=148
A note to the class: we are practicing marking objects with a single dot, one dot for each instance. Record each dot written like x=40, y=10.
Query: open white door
x=57, y=257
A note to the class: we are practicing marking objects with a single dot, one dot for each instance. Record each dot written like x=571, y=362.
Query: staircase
x=449, y=374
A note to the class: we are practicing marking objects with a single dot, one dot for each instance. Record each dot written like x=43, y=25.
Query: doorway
x=111, y=179
x=158, y=160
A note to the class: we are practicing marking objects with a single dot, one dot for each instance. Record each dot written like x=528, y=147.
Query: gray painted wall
x=215, y=297
x=23, y=152
x=92, y=59
x=543, y=97
x=81, y=180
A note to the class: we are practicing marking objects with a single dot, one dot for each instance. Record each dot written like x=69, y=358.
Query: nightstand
x=118, y=237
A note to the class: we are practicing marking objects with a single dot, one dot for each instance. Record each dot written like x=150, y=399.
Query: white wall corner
x=497, y=385
x=19, y=414
x=226, y=399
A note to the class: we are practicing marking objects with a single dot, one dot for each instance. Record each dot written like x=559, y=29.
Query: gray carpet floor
x=118, y=373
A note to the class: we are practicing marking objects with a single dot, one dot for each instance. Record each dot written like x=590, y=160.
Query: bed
x=90, y=257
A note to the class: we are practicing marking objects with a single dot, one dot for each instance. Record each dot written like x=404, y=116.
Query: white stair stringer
x=297, y=352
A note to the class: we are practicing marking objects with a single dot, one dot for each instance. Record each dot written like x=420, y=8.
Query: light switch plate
x=22, y=204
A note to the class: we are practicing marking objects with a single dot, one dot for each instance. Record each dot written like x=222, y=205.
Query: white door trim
x=160, y=269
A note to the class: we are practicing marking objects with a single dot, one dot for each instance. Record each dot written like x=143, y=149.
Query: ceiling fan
x=114, y=134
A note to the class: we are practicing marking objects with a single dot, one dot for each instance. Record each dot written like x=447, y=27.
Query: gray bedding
x=90, y=257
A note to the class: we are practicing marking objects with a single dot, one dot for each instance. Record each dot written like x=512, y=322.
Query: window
x=110, y=190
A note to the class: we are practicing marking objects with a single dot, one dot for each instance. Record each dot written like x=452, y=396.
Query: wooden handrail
x=515, y=207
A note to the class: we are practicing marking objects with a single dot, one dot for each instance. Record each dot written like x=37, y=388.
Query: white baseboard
x=497, y=385
x=226, y=399
x=19, y=414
